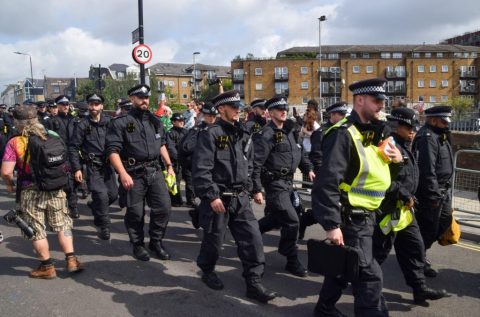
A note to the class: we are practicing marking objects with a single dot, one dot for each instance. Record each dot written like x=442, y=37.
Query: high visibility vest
x=397, y=220
x=373, y=179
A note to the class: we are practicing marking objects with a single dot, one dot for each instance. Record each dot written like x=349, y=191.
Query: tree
x=210, y=91
x=460, y=106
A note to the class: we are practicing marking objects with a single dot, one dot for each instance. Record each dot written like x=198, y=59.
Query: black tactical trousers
x=148, y=184
x=367, y=289
x=409, y=250
x=187, y=177
x=279, y=212
x=433, y=222
x=177, y=199
x=71, y=192
x=104, y=189
x=244, y=228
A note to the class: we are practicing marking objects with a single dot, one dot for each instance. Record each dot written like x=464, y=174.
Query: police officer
x=349, y=191
x=397, y=225
x=174, y=136
x=125, y=106
x=277, y=156
x=52, y=109
x=336, y=112
x=82, y=112
x=185, y=153
x=258, y=121
x=42, y=111
x=134, y=143
x=4, y=128
x=221, y=178
x=432, y=148
x=63, y=124
x=88, y=146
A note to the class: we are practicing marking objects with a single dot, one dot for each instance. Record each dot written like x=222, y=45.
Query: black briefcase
x=331, y=260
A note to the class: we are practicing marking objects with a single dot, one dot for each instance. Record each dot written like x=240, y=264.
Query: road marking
x=468, y=246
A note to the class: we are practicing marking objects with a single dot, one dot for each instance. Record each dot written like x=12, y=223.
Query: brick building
x=415, y=73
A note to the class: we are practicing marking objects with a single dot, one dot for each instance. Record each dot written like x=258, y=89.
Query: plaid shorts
x=35, y=205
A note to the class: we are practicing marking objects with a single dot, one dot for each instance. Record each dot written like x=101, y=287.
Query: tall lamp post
x=194, y=76
x=31, y=69
x=320, y=20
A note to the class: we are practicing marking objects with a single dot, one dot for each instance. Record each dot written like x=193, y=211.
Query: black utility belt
x=234, y=192
x=283, y=173
x=133, y=165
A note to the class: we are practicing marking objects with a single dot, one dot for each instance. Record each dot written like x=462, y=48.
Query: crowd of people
x=376, y=185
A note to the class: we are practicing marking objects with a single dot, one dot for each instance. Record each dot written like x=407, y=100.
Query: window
x=184, y=84
x=433, y=83
x=385, y=55
x=184, y=96
x=432, y=99
x=444, y=98
x=56, y=89
x=421, y=83
x=400, y=71
x=369, y=69
x=416, y=55
x=333, y=56
x=304, y=85
x=335, y=70
x=473, y=55
x=366, y=55
x=428, y=55
x=445, y=83
x=211, y=74
x=120, y=75
x=353, y=55
x=397, y=55
x=258, y=71
x=421, y=68
x=281, y=72
x=281, y=88
x=171, y=83
x=457, y=55
x=238, y=74
x=258, y=86
x=239, y=87
x=421, y=98
x=305, y=100
x=356, y=69
x=439, y=54
x=303, y=70
x=444, y=68
x=433, y=68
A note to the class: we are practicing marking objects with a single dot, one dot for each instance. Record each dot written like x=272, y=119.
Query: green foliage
x=208, y=92
x=460, y=105
x=84, y=88
x=177, y=107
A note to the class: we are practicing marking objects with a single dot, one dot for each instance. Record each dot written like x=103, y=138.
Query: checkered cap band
x=339, y=109
x=228, y=100
x=281, y=102
x=409, y=121
x=64, y=100
x=142, y=90
x=369, y=90
x=440, y=114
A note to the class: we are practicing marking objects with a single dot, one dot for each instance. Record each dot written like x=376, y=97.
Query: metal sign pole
x=140, y=29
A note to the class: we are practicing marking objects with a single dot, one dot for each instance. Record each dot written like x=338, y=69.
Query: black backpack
x=48, y=161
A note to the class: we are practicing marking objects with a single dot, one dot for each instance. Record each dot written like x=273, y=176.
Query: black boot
x=74, y=213
x=157, y=247
x=104, y=233
x=140, y=253
x=428, y=271
x=322, y=310
x=423, y=292
x=256, y=291
x=212, y=280
x=295, y=267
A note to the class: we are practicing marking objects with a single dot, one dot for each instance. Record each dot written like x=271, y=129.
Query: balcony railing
x=396, y=90
x=395, y=74
x=468, y=89
x=280, y=77
x=469, y=74
x=332, y=91
x=330, y=75
x=284, y=92
x=238, y=77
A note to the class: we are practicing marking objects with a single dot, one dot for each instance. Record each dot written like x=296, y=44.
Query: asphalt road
x=115, y=284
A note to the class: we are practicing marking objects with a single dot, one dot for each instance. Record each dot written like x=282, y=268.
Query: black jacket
x=62, y=124
x=174, y=137
x=255, y=124
x=315, y=155
x=188, y=144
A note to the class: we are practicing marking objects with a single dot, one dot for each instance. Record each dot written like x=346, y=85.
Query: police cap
x=95, y=98
x=208, y=108
x=260, y=103
x=24, y=112
x=403, y=115
x=82, y=106
x=62, y=100
x=41, y=104
x=177, y=117
x=444, y=112
x=231, y=97
x=374, y=87
x=3, y=106
x=279, y=102
x=141, y=90
x=340, y=107
x=125, y=104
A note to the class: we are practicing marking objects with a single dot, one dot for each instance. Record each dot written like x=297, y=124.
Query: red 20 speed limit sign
x=142, y=54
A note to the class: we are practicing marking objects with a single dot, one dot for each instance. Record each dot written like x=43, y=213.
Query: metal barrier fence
x=466, y=191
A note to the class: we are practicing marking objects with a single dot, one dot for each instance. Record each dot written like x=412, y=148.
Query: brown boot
x=44, y=271
x=73, y=265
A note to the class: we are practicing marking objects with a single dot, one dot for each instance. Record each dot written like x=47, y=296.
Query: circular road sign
x=142, y=54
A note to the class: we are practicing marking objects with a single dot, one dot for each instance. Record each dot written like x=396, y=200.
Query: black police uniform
x=174, y=136
x=137, y=137
x=221, y=170
x=277, y=156
x=255, y=124
x=63, y=124
x=87, y=146
x=4, y=132
x=433, y=151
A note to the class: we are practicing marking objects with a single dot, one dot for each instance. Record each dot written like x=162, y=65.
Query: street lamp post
x=31, y=69
x=194, y=76
x=320, y=19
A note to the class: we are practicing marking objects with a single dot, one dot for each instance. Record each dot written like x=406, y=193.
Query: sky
x=65, y=37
